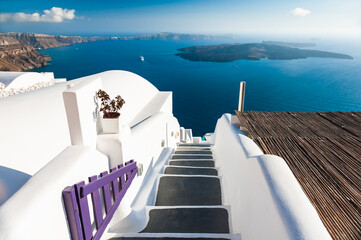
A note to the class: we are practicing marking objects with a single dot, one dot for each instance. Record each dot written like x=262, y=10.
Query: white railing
x=266, y=200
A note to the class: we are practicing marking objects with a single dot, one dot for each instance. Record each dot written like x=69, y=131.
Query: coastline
x=252, y=51
x=13, y=59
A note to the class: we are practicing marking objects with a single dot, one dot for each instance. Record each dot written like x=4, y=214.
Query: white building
x=18, y=82
x=52, y=138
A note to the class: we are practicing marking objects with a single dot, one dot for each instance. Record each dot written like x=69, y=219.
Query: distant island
x=251, y=51
x=18, y=51
x=290, y=44
x=177, y=36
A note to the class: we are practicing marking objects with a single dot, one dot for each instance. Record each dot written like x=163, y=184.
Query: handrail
x=114, y=186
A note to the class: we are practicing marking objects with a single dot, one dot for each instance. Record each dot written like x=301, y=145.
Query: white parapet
x=186, y=135
x=266, y=200
x=34, y=131
x=39, y=200
x=82, y=112
x=12, y=83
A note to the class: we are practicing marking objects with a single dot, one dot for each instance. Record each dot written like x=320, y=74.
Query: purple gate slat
x=109, y=216
x=106, y=194
x=72, y=212
x=76, y=203
x=122, y=179
x=127, y=175
x=115, y=186
x=97, y=205
x=89, y=188
x=84, y=211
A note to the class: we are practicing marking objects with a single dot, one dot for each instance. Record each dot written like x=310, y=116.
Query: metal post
x=242, y=89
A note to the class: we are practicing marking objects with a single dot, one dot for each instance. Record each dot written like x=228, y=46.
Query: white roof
x=24, y=79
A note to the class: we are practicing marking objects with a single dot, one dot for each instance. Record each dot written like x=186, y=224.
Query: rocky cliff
x=177, y=36
x=18, y=50
x=19, y=57
x=44, y=41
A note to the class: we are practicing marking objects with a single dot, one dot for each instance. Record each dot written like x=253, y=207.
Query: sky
x=313, y=18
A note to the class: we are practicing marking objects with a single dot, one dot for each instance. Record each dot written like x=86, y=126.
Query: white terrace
x=52, y=138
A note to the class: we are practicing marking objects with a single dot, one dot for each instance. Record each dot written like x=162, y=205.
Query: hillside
x=18, y=50
x=19, y=57
x=44, y=41
x=290, y=44
x=251, y=51
x=176, y=36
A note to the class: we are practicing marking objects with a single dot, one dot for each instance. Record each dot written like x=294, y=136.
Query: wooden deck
x=323, y=151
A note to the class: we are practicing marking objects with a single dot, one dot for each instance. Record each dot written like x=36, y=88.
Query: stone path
x=189, y=199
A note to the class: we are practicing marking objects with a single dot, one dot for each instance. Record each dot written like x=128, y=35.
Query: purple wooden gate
x=113, y=187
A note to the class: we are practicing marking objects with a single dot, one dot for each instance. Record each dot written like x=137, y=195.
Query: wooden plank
x=323, y=150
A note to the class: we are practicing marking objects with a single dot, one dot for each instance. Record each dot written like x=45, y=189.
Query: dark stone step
x=194, y=145
x=192, y=152
x=193, y=148
x=188, y=220
x=186, y=191
x=165, y=238
x=182, y=156
x=191, y=171
x=193, y=163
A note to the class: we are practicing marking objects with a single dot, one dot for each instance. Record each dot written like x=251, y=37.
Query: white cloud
x=55, y=14
x=300, y=12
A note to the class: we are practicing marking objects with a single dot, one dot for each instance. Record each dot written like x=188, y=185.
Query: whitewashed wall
x=25, y=79
x=135, y=90
x=36, y=210
x=33, y=129
x=44, y=134
x=266, y=200
x=146, y=148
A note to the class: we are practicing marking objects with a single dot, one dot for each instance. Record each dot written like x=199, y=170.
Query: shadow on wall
x=10, y=182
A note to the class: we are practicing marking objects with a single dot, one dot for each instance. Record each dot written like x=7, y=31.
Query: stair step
x=167, y=238
x=194, y=163
x=191, y=171
x=185, y=156
x=194, y=148
x=175, y=236
x=194, y=145
x=188, y=190
x=188, y=220
x=193, y=152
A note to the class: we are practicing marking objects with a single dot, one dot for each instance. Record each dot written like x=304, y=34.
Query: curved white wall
x=30, y=144
x=36, y=210
x=33, y=129
x=135, y=90
x=145, y=148
x=30, y=78
x=8, y=77
x=266, y=200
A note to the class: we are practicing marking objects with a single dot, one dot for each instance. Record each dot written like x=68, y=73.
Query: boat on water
x=142, y=58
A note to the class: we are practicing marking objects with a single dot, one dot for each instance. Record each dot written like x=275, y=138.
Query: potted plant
x=110, y=109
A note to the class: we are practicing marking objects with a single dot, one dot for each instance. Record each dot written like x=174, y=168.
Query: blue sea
x=203, y=91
